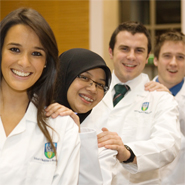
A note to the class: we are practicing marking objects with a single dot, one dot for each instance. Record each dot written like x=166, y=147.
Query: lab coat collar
x=182, y=90
x=31, y=113
x=30, y=116
x=137, y=90
x=131, y=83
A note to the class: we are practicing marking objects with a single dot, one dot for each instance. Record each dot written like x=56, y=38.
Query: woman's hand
x=57, y=109
x=152, y=86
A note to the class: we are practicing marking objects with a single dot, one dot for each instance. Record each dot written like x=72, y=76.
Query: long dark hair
x=41, y=93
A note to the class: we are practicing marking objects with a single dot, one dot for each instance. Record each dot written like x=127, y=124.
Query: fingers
x=105, y=134
x=63, y=111
x=104, y=129
x=52, y=106
x=148, y=84
x=57, y=109
x=75, y=118
x=152, y=86
x=113, y=147
x=112, y=141
x=54, y=109
x=108, y=138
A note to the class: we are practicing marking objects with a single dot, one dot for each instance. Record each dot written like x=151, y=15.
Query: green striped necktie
x=120, y=92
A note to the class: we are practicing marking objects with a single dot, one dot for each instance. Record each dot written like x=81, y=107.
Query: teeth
x=129, y=65
x=172, y=71
x=87, y=99
x=19, y=73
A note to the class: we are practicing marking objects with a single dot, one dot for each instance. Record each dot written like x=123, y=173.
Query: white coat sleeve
x=67, y=171
x=165, y=138
x=95, y=164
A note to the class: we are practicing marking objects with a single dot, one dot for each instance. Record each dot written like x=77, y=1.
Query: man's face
x=129, y=55
x=171, y=63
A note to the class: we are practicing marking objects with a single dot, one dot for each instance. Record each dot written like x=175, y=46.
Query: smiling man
x=170, y=60
x=142, y=126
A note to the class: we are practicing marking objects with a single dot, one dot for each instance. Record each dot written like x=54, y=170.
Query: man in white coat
x=143, y=126
x=169, y=57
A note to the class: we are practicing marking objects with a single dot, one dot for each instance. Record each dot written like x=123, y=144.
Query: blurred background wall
x=68, y=19
x=90, y=23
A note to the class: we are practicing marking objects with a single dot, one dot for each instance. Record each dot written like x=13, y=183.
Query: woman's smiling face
x=83, y=96
x=23, y=58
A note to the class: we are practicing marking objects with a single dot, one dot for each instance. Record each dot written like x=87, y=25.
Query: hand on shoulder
x=57, y=109
x=152, y=86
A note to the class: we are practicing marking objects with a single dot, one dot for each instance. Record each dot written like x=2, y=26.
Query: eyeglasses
x=88, y=80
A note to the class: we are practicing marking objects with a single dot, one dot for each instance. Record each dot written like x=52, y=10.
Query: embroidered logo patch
x=145, y=106
x=48, y=150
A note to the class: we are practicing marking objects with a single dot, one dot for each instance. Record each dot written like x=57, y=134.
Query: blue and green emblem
x=48, y=150
x=145, y=106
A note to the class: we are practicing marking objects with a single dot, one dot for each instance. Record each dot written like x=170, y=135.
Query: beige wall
x=110, y=22
x=104, y=18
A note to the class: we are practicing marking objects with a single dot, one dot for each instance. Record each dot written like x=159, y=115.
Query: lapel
x=30, y=115
x=107, y=100
x=136, y=93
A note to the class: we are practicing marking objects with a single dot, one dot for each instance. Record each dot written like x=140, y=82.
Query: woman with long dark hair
x=34, y=149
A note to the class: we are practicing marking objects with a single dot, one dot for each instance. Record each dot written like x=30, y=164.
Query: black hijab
x=72, y=63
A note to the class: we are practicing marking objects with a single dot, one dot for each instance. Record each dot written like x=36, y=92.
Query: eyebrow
x=129, y=47
x=92, y=75
x=16, y=44
x=172, y=53
x=181, y=54
x=141, y=48
x=120, y=46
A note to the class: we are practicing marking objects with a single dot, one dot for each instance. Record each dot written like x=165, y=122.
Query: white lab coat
x=151, y=131
x=95, y=164
x=174, y=174
x=22, y=153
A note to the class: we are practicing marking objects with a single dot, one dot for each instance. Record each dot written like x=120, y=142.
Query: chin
x=83, y=110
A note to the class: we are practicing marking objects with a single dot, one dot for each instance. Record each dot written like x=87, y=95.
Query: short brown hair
x=170, y=35
x=132, y=27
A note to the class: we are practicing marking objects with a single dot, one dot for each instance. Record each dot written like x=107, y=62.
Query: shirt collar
x=131, y=83
x=175, y=89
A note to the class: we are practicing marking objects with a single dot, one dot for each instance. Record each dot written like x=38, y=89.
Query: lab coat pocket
x=40, y=173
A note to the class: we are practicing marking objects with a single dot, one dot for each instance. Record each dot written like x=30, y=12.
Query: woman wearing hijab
x=82, y=82
x=74, y=63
